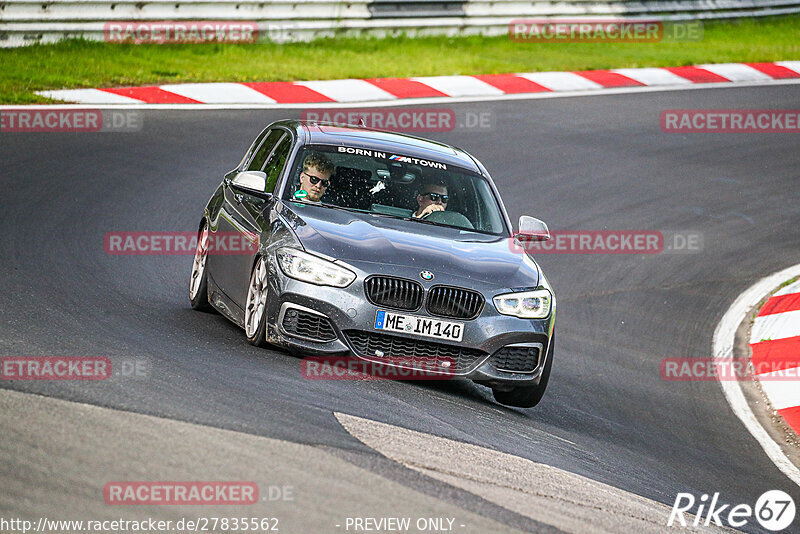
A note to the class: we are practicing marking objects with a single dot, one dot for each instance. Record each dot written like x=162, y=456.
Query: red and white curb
x=392, y=89
x=775, y=343
x=725, y=340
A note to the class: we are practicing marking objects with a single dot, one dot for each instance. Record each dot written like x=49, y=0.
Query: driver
x=431, y=197
x=316, y=176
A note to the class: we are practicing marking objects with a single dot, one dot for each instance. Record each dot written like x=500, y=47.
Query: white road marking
x=736, y=72
x=723, y=352
x=561, y=81
x=794, y=287
x=776, y=326
x=654, y=76
x=459, y=85
x=348, y=90
x=782, y=388
x=88, y=96
x=219, y=93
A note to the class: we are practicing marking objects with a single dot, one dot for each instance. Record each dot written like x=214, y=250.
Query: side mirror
x=532, y=229
x=255, y=181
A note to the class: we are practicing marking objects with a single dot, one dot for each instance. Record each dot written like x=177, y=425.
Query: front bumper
x=352, y=318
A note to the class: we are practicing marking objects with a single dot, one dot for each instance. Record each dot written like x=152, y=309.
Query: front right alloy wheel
x=198, y=284
x=255, y=316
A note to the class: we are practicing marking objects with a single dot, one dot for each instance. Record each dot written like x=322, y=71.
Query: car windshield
x=394, y=185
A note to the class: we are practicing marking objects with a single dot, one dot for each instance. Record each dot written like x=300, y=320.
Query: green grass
x=763, y=301
x=77, y=63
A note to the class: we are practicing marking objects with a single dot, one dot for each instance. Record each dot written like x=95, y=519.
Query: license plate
x=421, y=326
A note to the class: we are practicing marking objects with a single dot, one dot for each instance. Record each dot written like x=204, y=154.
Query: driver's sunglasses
x=436, y=197
x=316, y=179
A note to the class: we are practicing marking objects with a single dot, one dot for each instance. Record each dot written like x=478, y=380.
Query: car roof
x=324, y=133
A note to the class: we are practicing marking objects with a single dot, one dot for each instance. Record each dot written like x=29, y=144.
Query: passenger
x=431, y=197
x=316, y=176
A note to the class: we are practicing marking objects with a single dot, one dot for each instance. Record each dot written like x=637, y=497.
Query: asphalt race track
x=586, y=163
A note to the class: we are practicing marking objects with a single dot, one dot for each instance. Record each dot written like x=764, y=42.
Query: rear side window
x=263, y=151
x=276, y=162
x=253, y=148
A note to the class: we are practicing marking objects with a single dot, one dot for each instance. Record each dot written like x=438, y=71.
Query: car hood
x=362, y=238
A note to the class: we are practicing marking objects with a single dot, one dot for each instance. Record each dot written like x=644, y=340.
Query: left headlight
x=309, y=268
x=525, y=304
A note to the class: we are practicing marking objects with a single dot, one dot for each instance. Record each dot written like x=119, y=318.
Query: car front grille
x=308, y=325
x=516, y=359
x=394, y=292
x=413, y=352
x=454, y=302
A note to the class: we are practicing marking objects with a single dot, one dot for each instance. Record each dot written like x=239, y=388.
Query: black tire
x=528, y=397
x=199, y=299
x=258, y=337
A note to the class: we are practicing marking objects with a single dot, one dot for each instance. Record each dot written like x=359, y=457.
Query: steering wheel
x=429, y=214
x=452, y=218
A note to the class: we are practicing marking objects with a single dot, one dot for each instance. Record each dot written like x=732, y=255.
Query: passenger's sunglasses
x=316, y=179
x=435, y=197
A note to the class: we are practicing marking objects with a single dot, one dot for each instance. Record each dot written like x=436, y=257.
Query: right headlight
x=525, y=304
x=309, y=268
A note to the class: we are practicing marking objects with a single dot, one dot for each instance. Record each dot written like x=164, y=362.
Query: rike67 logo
x=774, y=511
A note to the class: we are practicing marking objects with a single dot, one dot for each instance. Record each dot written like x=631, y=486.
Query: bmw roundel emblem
x=426, y=275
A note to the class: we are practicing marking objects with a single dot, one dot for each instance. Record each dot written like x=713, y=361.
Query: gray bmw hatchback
x=390, y=248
